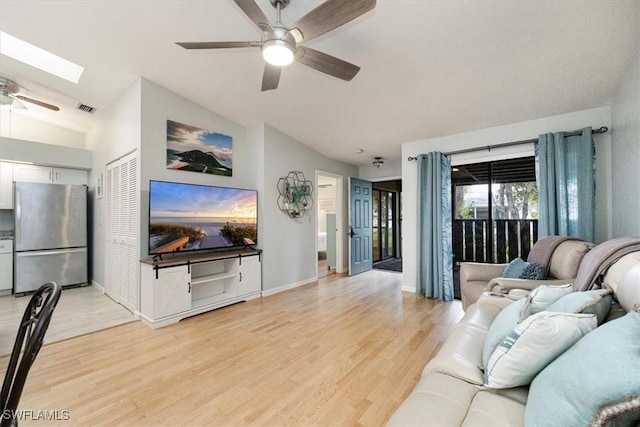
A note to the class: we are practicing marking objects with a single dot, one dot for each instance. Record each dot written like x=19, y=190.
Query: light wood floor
x=79, y=311
x=343, y=351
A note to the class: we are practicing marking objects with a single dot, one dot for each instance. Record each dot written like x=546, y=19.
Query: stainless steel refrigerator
x=50, y=235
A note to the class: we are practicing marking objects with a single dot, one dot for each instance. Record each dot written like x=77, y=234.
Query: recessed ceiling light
x=37, y=57
x=359, y=150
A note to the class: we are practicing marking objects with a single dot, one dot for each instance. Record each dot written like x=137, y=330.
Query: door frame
x=340, y=230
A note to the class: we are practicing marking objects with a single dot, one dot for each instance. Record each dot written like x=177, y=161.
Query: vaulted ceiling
x=429, y=68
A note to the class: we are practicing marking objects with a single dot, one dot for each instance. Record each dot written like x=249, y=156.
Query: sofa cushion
x=599, y=370
x=619, y=269
x=597, y=301
x=520, y=269
x=628, y=292
x=532, y=345
x=437, y=400
x=497, y=408
x=461, y=353
x=567, y=257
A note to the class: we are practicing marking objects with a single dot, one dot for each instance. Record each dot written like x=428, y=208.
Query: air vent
x=86, y=108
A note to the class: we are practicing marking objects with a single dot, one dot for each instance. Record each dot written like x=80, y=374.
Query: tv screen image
x=191, y=217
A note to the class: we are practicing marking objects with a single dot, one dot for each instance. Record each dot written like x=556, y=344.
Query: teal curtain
x=435, y=256
x=566, y=188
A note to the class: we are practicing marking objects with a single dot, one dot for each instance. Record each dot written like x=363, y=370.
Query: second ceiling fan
x=281, y=45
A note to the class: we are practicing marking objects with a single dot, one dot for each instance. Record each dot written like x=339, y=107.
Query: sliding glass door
x=495, y=210
x=384, y=217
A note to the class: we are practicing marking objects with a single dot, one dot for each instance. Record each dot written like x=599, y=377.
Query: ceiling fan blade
x=15, y=102
x=326, y=63
x=271, y=77
x=217, y=45
x=40, y=103
x=14, y=87
x=330, y=15
x=253, y=11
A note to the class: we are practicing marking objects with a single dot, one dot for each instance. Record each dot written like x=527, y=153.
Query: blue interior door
x=360, y=226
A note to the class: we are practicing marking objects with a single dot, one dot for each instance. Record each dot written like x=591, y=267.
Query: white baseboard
x=98, y=286
x=279, y=289
x=408, y=289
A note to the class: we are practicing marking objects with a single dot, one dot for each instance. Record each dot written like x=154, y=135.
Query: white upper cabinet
x=6, y=185
x=46, y=174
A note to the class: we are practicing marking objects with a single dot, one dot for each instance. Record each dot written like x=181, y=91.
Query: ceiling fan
x=280, y=44
x=10, y=95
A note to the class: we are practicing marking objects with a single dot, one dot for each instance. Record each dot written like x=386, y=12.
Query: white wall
x=625, y=153
x=290, y=257
x=16, y=125
x=497, y=135
x=115, y=133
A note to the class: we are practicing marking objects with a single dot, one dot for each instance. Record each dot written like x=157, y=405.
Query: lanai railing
x=510, y=238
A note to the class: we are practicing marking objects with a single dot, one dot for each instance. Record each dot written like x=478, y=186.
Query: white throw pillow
x=532, y=345
x=542, y=297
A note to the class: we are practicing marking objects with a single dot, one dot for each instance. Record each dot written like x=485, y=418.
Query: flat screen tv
x=191, y=217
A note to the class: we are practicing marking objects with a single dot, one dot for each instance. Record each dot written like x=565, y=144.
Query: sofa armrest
x=504, y=285
x=476, y=271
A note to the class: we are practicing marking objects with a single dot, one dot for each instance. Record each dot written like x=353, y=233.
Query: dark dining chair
x=33, y=326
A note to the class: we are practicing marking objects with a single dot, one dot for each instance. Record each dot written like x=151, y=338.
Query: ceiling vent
x=86, y=108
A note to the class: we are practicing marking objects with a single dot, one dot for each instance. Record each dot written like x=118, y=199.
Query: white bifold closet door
x=121, y=231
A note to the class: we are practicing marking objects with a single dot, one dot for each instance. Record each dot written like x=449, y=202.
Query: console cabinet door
x=172, y=291
x=249, y=275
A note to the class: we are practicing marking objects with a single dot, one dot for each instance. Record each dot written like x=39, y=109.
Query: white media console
x=175, y=288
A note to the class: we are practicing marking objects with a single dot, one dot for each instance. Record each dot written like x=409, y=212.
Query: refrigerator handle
x=18, y=223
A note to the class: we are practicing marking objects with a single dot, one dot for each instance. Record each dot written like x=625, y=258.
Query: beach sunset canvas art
x=193, y=149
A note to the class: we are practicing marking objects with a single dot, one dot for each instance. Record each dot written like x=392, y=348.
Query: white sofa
x=451, y=392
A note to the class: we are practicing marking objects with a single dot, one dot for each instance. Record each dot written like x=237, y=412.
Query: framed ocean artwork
x=190, y=148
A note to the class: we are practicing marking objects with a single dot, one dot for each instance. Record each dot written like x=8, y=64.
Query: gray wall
x=290, y=257
x=625, y=153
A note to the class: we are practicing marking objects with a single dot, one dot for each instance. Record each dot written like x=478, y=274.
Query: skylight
x=37, y=57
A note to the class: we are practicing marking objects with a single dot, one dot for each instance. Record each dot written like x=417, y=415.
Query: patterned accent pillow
x=519, y=269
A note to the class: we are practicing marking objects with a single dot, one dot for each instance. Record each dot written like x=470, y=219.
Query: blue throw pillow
x=502, y=326
x=519, y=269
x=594, y=381
x=597, y=301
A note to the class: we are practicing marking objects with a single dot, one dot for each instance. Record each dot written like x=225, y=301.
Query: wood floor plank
x=343, y=351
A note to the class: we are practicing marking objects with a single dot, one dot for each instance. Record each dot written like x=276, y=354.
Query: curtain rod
x=601, y=129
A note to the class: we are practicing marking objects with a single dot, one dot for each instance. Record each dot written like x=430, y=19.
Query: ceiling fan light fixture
x=277, y=52
x=5, y=100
